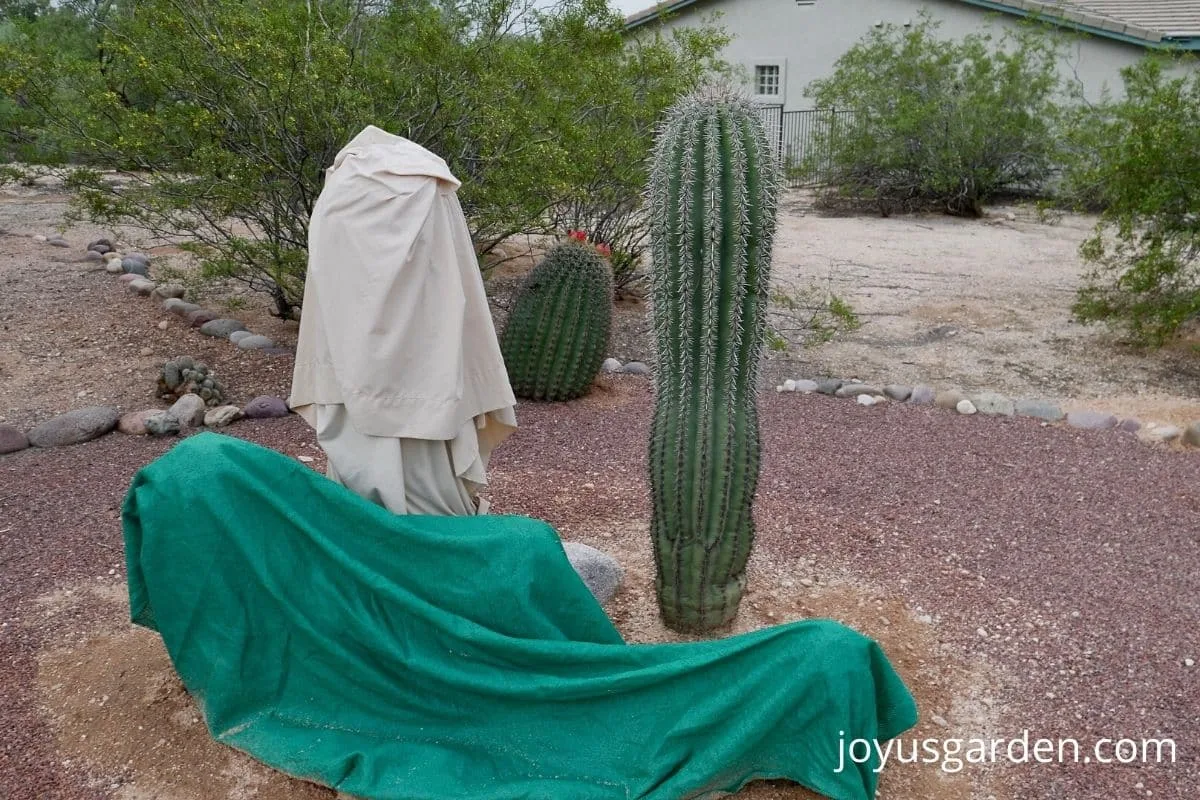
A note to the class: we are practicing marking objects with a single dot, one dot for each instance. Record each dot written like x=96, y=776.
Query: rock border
x=133, y=268
x=994, y=404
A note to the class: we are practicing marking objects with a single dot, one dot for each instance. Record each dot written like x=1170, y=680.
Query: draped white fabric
x=396, y=338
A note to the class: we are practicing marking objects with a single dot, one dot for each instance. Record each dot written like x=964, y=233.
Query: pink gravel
x=1076, y=553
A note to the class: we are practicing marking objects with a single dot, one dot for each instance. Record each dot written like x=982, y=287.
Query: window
x=767, y=80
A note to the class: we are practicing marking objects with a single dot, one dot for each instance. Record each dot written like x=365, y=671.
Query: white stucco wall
x=806, y=40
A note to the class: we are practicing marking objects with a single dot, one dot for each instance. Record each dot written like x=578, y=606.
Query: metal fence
x=802, y=140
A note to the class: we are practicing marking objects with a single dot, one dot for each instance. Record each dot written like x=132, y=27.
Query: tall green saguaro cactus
x=712, y=195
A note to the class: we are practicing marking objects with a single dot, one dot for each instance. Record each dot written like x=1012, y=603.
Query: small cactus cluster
x=182, y=375
x=558, y=330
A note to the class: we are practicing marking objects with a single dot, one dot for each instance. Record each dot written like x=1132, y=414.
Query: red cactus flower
x=604, y=250
x=579, y=236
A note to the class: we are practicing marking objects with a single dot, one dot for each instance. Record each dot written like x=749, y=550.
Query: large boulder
x=600, y=572
x=74, y=427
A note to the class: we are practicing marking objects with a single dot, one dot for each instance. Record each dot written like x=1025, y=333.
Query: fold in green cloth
x=430, y=658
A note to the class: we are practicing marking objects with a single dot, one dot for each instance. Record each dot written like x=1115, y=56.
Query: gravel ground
x=1057, y=567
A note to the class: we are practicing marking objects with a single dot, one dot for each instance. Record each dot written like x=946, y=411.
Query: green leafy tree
x=226, y=113
x=1139, y=160
x=939, y=123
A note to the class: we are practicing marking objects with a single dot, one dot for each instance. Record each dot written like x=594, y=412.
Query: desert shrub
x=226, y=113
x=807, y=316
x=1139, y=160
x=939, y=123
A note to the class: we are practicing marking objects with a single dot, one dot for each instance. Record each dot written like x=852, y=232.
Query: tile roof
x=1147, y=21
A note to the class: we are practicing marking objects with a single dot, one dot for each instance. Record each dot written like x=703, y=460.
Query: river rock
x=183, y=308
x=162, y=424
x=58, y=241
x=141, y=257
x=200, y=317
x=1091, y=420
x=636, y=368
x=1130, y=425
x=93, y=255
x=237, y=336
x=134, y=423
x=189, y=410
x=855, y=389
x=993, y=403
x=221, y=328
x=221, y=416
x=113, y=267
x=169, y=290
x=898, y=392
x=600, y=572
x=254, y=342
x=265, y=407
x=74, y=427
x=134, y=267
x=1191, y=436
x=922, y=395
x=965, y=407
x=610, y=365
x=12, y=440
x=101, y=245
x=806, y=386
x=948, y=399
x=142, y=288
x=130, y=277
x=1041, y=409
x=828, y=385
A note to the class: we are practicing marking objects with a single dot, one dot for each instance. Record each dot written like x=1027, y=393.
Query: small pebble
x=789, y=385
x=965, y=407
x=163, y=325
x=866, y=400
x=1188, y=662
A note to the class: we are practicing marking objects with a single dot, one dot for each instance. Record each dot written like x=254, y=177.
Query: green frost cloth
x=430, y=658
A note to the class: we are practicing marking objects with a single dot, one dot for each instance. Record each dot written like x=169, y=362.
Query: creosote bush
x=1140, y=162
x=936, y=123
x=224, y=115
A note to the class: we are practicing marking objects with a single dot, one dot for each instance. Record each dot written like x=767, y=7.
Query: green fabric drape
x=430, y=658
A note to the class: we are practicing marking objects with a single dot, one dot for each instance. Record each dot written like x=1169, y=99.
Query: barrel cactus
x=182, y=375
x=557, y=333
x=712, y=197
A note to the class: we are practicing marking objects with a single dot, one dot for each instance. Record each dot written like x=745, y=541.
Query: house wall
x=806, y=39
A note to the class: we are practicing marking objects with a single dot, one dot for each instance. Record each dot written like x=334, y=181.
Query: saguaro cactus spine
x=712, y=196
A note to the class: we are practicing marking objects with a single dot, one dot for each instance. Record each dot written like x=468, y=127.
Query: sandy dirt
x=977, y=305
